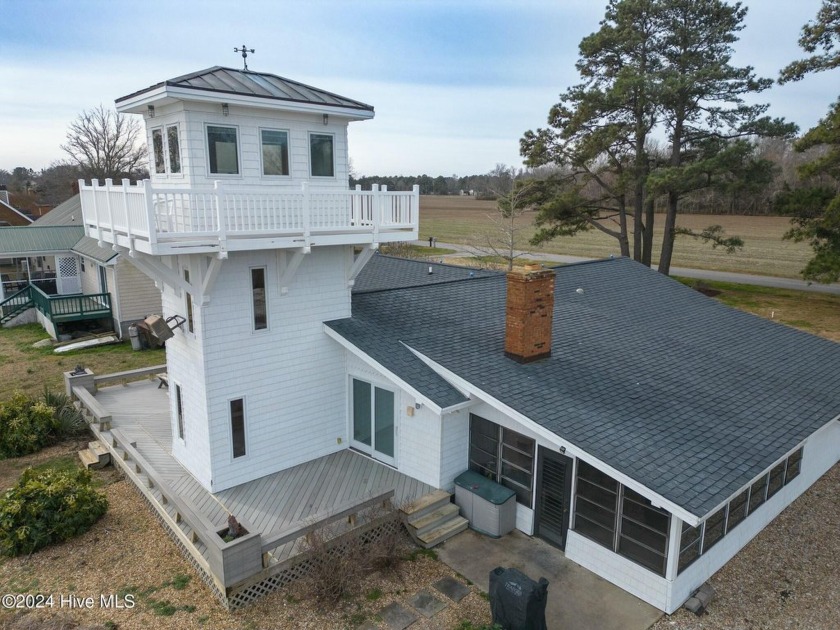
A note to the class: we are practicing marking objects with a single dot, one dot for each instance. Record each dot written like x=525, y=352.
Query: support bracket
x=359, y=263
x=291, y=269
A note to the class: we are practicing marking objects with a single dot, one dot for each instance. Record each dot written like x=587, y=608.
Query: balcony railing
x=126, y=214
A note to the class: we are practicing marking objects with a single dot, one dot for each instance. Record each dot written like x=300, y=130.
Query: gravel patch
x=786, y=577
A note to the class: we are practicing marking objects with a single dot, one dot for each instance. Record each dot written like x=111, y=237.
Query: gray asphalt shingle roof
x=258, y=84
x=689, y=397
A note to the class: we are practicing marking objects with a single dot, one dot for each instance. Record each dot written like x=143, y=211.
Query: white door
x=67, y=278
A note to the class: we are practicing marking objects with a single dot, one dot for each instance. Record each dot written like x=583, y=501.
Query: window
x=157, y=148
x=689, y=546
x=504, y=456
x=596, y=503
x=189, y=303
x=714, y=528
x=258, y=297
x=321, y=155
x=757, y=493
x=222, y=150
x=179, y=411
x=794, y=466
x=82, y=263
x=174, y=149
x=777, y=479
x=737, y=511
x=620, y=519
x=237, y=427
x=275, y=152
x=644, y=532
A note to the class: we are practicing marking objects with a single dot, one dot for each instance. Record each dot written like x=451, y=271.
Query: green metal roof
x=33, y=240
x=89, y=248
x=66, y=213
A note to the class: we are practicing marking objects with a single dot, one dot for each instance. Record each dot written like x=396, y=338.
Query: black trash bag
x=516, y=601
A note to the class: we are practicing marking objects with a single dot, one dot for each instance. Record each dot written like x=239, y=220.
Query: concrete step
x=432, y=520
x=426, y=504
x=444, y=532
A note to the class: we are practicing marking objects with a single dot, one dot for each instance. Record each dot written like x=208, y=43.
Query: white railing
x=160, y=214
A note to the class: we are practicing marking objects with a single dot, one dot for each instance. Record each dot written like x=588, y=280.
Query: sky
x=455, y=83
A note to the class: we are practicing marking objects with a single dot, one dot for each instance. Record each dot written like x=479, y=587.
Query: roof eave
x=163, y=94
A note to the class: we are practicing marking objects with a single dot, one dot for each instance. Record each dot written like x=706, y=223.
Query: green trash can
x=488, y=506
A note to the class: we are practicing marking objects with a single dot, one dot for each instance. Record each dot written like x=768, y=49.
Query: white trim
x=210, y=173
x=571, y=449
x=263, y=174
x=396, y=380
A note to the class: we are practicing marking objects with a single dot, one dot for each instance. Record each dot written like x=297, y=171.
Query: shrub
x=26, y=425
x=71, y=422
x=47, y=507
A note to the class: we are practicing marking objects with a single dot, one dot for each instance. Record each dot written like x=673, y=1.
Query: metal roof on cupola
x=244, y=87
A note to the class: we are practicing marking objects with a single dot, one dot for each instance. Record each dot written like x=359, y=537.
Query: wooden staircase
x=15, y=304
x=433, y=518
x=96, y=455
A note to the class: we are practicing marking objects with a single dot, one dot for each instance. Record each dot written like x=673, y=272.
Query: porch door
x=67, y=278
x=554, y=491
x=373, y=420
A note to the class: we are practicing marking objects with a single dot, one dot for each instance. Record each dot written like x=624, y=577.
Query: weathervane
x=244, y=50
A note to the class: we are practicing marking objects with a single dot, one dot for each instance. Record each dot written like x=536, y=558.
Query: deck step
x=444, y=532
x=98, y=448
x=89, y=460
x=432, y=520
x=426, y=504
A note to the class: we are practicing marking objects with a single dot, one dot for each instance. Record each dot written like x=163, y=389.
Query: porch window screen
x=321, y=155
x=503, y=455
x=596, y=504
x=237, y=426
x=644, y=532
x=222, y=150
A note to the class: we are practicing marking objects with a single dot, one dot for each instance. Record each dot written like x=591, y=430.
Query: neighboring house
x=9, y=215
x=647, y=431
x=54, y=255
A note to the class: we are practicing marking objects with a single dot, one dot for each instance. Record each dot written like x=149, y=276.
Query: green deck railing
x=15, y=304
x=66, y=308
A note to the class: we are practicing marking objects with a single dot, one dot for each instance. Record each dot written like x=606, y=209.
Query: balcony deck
x=165, y=221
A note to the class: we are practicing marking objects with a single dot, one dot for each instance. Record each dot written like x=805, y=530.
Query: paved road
x=700, y=274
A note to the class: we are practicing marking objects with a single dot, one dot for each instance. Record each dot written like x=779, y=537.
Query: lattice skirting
x=299, y=566
x=290, y=570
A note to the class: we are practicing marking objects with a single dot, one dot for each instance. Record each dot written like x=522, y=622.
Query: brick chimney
x=529, y=314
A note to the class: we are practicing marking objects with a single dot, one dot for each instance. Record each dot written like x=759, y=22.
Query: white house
x=647, y=431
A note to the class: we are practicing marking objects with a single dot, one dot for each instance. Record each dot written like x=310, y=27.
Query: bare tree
x=503, y=238
x=105, y=143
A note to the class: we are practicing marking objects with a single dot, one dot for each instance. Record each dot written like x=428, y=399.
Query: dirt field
x=459, y=219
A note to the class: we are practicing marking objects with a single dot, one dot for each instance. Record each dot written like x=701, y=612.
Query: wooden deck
x=141, y=412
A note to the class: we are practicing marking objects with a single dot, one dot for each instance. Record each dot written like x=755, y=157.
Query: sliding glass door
x=373, y=420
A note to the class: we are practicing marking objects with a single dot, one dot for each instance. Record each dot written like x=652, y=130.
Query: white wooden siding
x=90, y=276
x=455, y=446
x=291, y=375
x=192, y=119
x=138, y=295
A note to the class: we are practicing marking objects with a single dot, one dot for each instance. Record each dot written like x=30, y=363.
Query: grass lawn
x=29, y=369
x=462, y=220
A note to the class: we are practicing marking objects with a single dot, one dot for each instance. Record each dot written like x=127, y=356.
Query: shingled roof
x=689, y=397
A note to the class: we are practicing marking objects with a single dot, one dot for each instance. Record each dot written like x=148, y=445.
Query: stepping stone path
x=398, y=616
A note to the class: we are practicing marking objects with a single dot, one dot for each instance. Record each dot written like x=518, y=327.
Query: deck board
x=141, y=411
